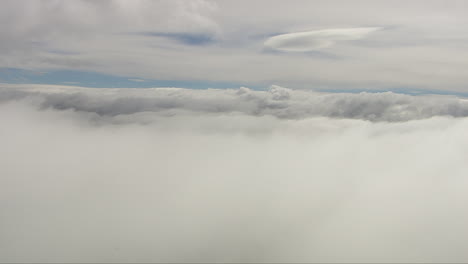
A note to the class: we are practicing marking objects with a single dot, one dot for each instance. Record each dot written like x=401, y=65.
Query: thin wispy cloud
x=136, y=80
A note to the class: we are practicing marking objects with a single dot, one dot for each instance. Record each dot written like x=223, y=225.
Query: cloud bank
x=277, y=101
x=317, y=39
x=176, y=175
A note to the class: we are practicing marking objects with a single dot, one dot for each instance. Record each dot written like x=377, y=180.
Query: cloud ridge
x=277, y=101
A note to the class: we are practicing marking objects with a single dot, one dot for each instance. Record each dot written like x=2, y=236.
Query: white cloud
x=207, y=181
x=317, y=39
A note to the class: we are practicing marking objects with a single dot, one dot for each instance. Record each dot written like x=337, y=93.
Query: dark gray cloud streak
x=277, y=101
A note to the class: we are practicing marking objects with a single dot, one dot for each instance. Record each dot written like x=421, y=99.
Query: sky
x=321, y=45
x=233, y=131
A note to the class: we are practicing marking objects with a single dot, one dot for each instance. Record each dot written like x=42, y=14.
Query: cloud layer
x=422, y=46
x=276, y=101
x=176, y=175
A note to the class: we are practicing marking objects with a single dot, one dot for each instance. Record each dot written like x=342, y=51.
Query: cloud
x=276, y=101
x=178, y=175
x=136, y=80
x=422, y=47
x=317, y=39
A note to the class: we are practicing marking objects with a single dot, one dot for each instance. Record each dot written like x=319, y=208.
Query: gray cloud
x=277, y=101
x=423, y=45
x=215, y=176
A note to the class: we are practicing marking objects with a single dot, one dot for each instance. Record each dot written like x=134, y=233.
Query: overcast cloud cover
x=348, y=45
x=291, y=165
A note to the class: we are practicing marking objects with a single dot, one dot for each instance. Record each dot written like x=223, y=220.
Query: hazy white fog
x=231, y=175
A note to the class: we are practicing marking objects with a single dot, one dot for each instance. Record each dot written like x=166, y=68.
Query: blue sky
x=99, y=80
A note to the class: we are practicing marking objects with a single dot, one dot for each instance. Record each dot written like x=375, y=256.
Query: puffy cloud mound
x=277, y=101
x=176, y=175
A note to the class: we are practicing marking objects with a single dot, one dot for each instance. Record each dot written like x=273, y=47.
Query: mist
x=180, y=175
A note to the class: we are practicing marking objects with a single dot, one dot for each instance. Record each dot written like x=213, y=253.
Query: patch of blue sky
x=195, y=39
x=100, y=80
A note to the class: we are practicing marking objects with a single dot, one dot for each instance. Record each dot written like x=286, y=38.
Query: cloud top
x=277, y=101
x=317, y=39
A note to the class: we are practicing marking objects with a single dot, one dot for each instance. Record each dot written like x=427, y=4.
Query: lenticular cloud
x=180, y=175
x=317, y=39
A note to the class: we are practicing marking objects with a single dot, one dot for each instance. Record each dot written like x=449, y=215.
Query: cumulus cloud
x=176, y=175
x=277, y=101
x=317, y=39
